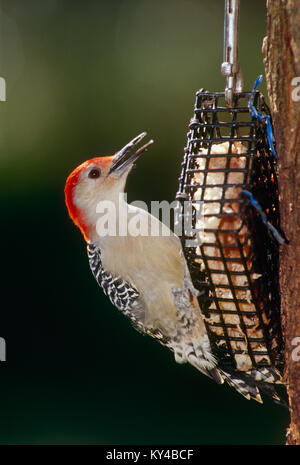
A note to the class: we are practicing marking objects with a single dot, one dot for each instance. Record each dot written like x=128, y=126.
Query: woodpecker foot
x=187, y=280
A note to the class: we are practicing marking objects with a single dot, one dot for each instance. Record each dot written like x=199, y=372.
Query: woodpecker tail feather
x=251, y=384
x=203, y=366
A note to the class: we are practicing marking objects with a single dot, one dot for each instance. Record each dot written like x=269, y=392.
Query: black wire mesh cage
x=235, y=262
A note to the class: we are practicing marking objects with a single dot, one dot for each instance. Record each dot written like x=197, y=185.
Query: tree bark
x=281, y=49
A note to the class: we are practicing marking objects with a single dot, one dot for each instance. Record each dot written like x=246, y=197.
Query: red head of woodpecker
x=145, y=277
x=100, y=178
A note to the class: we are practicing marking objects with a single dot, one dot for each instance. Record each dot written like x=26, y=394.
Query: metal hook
x=230, y=67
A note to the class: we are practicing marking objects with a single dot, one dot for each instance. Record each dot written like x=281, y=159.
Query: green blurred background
x=83, y=78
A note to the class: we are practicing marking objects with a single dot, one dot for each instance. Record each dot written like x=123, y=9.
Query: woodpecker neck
x=95, y=207
x=111, y=218
x=88, y=201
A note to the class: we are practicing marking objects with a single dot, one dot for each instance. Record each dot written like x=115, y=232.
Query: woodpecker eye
x=94, y=173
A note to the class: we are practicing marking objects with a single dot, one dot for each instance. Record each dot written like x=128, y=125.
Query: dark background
x=83, y=78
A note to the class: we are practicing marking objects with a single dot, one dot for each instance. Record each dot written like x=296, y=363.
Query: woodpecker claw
x=187, y=281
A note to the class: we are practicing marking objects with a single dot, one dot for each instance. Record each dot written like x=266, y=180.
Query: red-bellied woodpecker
x=145, y=275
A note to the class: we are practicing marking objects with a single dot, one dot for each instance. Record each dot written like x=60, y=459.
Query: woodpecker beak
x=119, y=164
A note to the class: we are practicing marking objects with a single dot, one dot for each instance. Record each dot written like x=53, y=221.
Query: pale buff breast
x=153, y=265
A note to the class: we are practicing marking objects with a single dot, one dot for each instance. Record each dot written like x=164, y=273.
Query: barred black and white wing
x=121, y=294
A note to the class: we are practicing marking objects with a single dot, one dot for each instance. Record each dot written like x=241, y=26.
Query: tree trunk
x=281, y=48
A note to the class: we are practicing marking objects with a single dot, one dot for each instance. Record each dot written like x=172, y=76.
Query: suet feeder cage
x=229, y=174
